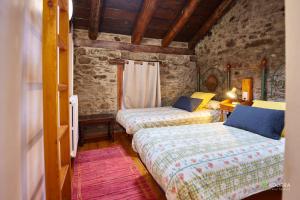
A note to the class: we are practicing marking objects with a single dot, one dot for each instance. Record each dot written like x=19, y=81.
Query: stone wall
x=250, y=31
x=95, y=80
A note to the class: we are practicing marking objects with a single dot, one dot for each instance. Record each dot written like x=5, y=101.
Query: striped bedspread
x=210, y=161
x=135, y=119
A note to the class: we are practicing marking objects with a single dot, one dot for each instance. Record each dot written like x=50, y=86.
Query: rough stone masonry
x=95, y=80
x=250, y=31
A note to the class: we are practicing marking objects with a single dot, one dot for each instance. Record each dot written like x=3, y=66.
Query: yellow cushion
x=206, y=97
x=270, y=105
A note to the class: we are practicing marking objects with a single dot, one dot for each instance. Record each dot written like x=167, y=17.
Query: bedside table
x=227, y=106
x=97, y=119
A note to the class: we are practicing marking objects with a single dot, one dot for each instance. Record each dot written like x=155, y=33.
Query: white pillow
x=213, y=105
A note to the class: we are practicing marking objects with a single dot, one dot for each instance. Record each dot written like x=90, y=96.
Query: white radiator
x=74, y=125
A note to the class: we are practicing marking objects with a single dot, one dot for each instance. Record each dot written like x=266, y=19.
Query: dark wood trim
x=123, y=61
x=132, y=47
x=218, y=13
x=180, y=23
x=271, y=194
x=120, y=71
x=116, y=61
x=95, y=15
x=143, y=20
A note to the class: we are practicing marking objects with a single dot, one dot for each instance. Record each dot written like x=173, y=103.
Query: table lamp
x=233, y=96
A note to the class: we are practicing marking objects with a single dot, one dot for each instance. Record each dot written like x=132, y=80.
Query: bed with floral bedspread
x=135, y=119
x=210, y=161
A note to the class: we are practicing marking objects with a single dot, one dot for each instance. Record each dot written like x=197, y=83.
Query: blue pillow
x=187, y=103
x=265, y=122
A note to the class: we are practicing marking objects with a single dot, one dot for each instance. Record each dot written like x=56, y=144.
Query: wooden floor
x=124, y=140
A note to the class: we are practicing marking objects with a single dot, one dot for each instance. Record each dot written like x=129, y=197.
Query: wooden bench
x=93, y=120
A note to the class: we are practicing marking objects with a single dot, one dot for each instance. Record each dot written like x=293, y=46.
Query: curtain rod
x=122, y=61
x=142, y=61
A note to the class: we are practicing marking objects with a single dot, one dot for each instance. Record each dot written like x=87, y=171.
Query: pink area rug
x=109, y=174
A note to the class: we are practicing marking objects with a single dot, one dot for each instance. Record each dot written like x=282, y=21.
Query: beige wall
x=21, y=133
x=292, y=157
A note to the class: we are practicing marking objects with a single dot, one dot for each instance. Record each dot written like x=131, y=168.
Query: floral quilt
x=135, y=119
x=210, y=161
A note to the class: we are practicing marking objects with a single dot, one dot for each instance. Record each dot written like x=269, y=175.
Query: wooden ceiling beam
x=143, y=20
x=113, y=45
x=217, y=14
x=181, y=22
x=94, y=20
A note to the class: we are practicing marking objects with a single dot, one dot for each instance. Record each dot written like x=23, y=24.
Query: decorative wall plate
x=211, y=83
x=212, y=78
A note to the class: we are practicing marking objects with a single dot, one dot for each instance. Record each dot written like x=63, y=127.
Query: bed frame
x=272, y=194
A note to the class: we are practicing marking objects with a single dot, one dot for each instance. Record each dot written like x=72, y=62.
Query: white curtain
x=141, y=85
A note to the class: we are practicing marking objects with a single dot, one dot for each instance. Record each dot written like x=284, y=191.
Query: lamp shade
x=232, y=93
